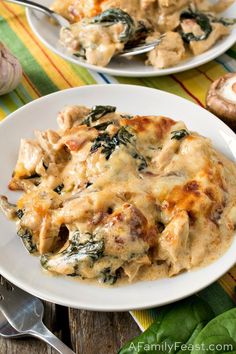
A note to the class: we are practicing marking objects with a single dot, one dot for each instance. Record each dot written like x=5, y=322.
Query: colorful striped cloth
x=45, y=72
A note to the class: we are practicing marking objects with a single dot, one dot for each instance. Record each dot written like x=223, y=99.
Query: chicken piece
x=71, y=116
x=64, y=8
x=173, y=243
x=166, y=155
x=232, y=217
x=54, y=149
x=191, y=26
x=125, y=233
x=44, y=199
x=95, y=43
x=132, y=268
x=171, y=146
x=37, y=218
x=218, y=31
x=168, y=3
x=30, y=157
x=48, y=141
x=48, y=234
x=75, y=10
x=145, y=4
x=26, y=184
x=7, y=208
x=168, y=22
x=168, y=53
x=170, y=6
x=77, y=137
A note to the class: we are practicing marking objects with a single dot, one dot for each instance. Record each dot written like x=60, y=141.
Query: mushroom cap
x=221, y=99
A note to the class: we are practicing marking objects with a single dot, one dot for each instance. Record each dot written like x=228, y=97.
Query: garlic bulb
x=10, y=70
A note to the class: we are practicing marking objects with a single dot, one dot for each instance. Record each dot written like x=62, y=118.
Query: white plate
x=49, y=35
x=24, y=269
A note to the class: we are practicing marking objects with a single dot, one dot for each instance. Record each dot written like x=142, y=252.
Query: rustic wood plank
x=100, y=333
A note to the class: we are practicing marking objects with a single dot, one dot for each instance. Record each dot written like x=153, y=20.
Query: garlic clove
x=10, y=70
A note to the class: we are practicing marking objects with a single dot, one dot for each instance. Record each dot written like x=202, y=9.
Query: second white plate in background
x=49, y=35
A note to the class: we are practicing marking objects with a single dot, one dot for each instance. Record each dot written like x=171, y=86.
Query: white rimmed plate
x=24, y=269
x=49, y=35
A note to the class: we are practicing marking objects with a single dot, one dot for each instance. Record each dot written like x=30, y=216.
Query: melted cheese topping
x=99, y=43
x=113, y=196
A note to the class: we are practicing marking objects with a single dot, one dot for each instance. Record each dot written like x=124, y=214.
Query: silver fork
x=24, y=312
x=61, y=21
x=7, y=331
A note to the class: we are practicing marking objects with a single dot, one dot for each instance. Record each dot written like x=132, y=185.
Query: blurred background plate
x=49, y=35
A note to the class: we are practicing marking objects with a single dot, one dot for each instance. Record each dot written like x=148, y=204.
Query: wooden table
x=85, y=332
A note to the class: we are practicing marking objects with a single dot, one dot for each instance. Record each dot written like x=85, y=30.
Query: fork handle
x=33, y=5
x=42, y=332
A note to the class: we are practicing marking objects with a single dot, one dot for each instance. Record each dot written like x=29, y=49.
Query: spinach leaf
x=107, y=277
x=101, y=140
x=127, y=116
x=74, y=253
x=109, y=144
x=140, y=34
x=220, y=331
x=179, y=134
x=45, y=165
x=59, y=188
x=225, y=21
x=143, y=163
x=96, y=113
x=93, y=249
x=80, y=54
x=160, y=226
x=115, y=15
x=20, y=213
x=201, y=19
x=176, y=325
x=123, y=136
x=26, y=237
x=102, y=126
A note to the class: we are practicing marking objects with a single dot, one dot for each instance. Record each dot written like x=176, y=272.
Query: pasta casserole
x=113, y=196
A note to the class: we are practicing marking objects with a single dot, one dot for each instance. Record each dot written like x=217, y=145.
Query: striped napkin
x=45, y=72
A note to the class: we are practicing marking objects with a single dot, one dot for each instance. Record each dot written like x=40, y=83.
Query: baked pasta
x=101, y=29
x=113, y=196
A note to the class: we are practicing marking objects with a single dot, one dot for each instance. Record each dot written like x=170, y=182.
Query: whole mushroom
x=10, y=70
x=221, y=99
